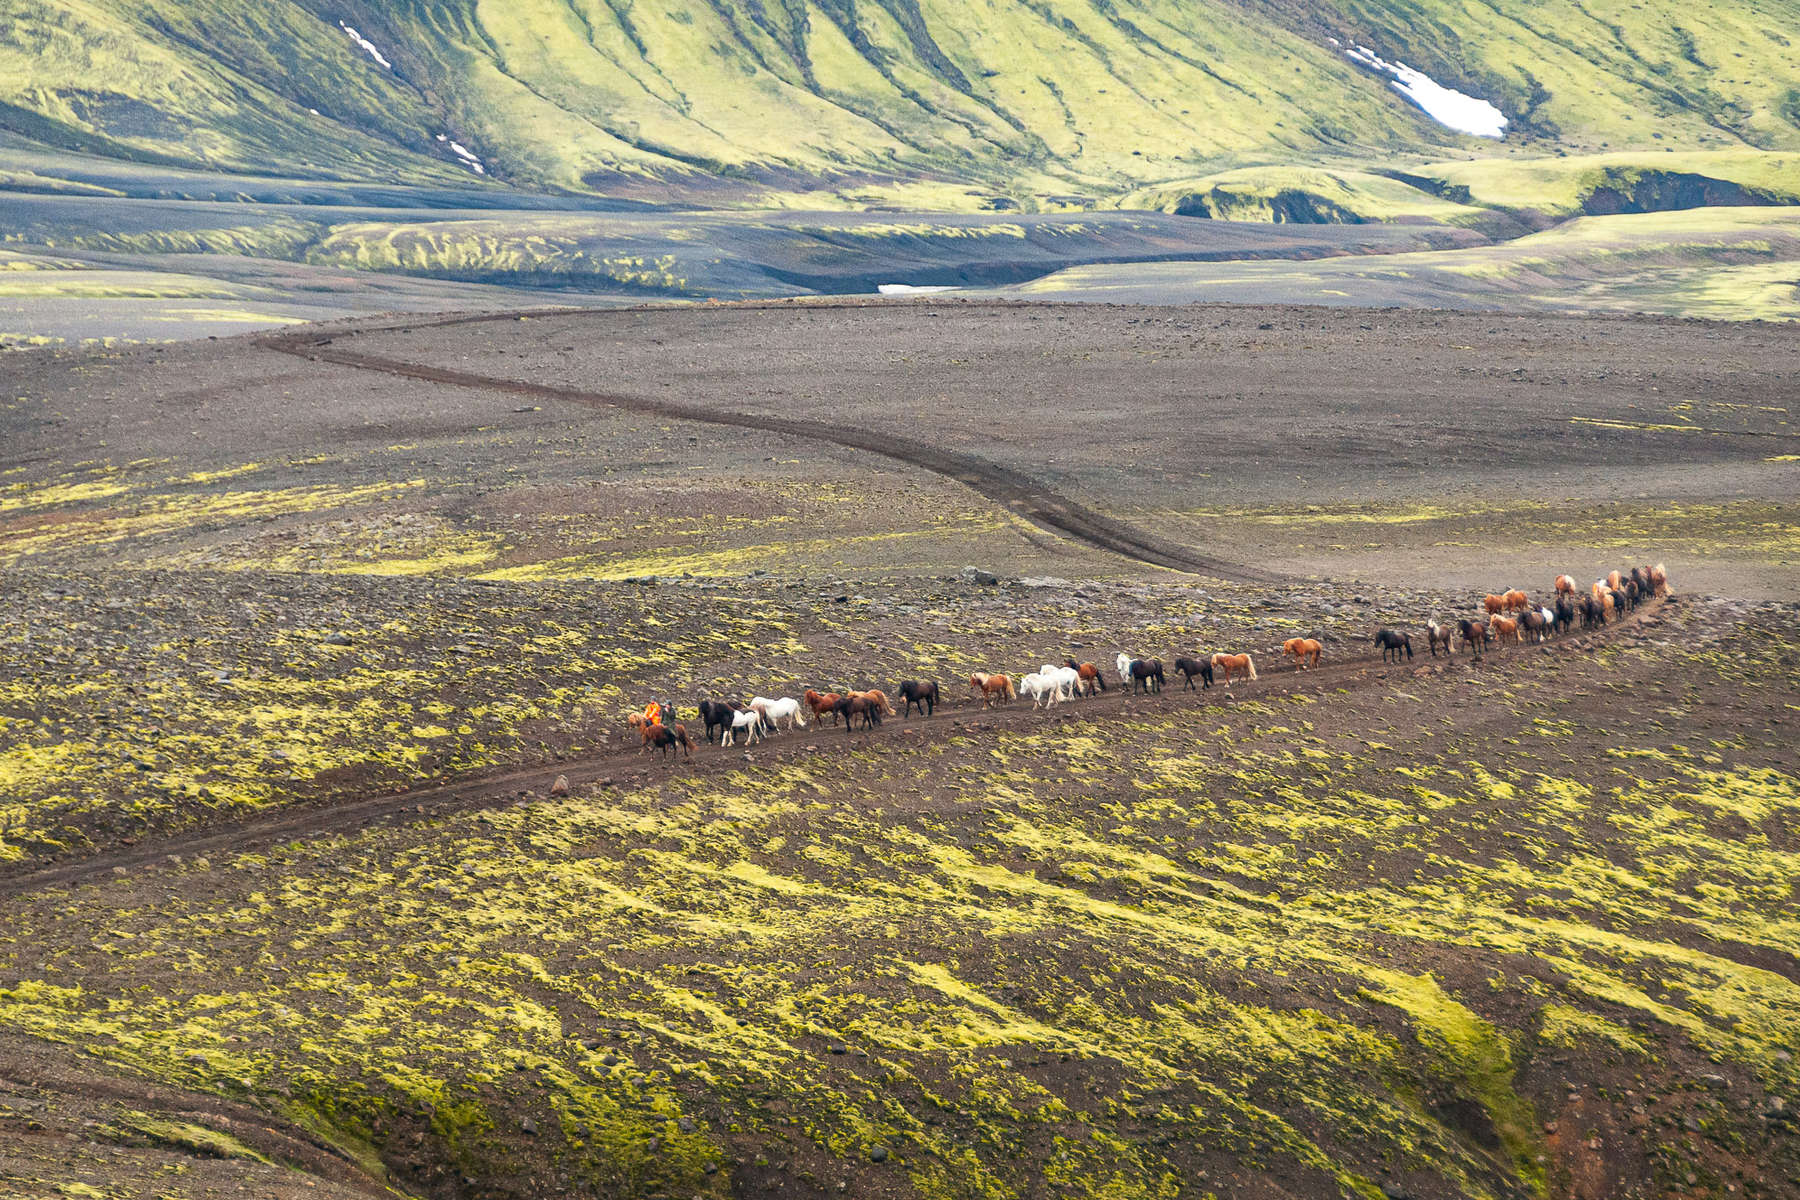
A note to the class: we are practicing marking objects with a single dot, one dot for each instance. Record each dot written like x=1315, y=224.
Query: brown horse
x=1440, y=635
x=1505, y=627
x=1495, y=605
x=665, y=739
x=878, y=698
x=1474, y=634
x=1517, y=600
x=1536, y=625
x=993, y=689
x=1234, y=664
x=859, y=705
x=1565, y=585
x=821, y=705
x=1303, y=651
x=1092, y=679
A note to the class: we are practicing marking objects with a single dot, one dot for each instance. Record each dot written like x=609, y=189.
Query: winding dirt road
x=1018, y=493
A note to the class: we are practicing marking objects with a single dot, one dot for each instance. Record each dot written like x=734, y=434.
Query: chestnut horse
x=666, y=739
x=1233, y=663
x=1517, y=600
x=821, y=705
x=1303, y=651
x=993, y=689
x=1565, y=585
x=876, y=697
x=1505, y=627
x=1092, y=679
x=1495, y=605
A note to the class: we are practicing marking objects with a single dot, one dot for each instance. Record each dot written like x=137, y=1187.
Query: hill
x=920, y=103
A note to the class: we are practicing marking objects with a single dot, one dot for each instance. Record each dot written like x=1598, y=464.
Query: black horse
x=1146, y=674
x=1564, y=619
x=717, y=715
x=920, y=693
x=1191, y=667
x=1392, y=641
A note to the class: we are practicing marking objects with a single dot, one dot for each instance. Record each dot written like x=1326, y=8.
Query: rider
x=659, y=712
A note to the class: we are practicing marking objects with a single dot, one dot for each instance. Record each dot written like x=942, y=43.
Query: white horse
x=1067, y=679
x=1125, y=661
x=1041, y=688
x=748, y=720
x=776, y=711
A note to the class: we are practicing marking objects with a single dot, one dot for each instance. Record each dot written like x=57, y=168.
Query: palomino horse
x=1505, y=627
x=821, y=705
x=1303, y=651
x=1191, y=667
x=1565, y=585
x=1233, y=664
x=1474, y=634
x=666, y=739
x=1659, y=580
x=993, y=689
x=776, y=711
x=1393, y=642
x=1615, y=580
x=1440, y=635
x=920, y=694
x=1092, y=679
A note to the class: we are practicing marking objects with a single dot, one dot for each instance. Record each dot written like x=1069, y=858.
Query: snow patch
x=366, y=44
x=1447, y=106
x=909, y=289
x=469, y=158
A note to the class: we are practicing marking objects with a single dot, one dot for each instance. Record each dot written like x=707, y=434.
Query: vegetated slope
x=926, y=102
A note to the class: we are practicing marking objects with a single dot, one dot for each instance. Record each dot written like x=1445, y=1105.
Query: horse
x=821, y=705
x=920, y=694
x=1535, y=624
x=993, y=689
x=852, y=706
x=1091, y=676
x=1191, y=667
x=1474, y=634
x=1506, y=627
x=1393, y=642
x=747, y=719
x=1041, y=688
x=1628, y=595
x=1517, y=600
x=1067, y=679
x=1231, y=663
x=1303, y=651
x=878, y=698
x=1659, y=580
x=666, y=739
x=717, y=715
x=776, y=711
x=1495, y=605
x=1609, y=600
x=1440, y=635
x=1144, y=674
x=1593, y=613
x=1123, y=662
x=1565, y=614
x=1614, y=580
x=1565, y=585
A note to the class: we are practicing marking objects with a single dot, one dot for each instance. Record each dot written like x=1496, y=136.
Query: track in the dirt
x=627, y=766
x=1016, y=492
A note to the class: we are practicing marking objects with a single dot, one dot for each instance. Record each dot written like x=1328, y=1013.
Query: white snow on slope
x=1447, y=106
x=366, y=44
x=911, y=289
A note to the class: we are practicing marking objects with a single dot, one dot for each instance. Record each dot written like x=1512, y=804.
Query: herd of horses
x=1509, y=615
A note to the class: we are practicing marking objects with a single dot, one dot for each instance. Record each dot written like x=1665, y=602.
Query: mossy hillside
x=1015, y=103
x=1353, y=951
x=1562, y=186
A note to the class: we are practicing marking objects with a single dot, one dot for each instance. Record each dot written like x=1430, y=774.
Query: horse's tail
x=1100, y=678
x=1251, y=663
x=1012, y=691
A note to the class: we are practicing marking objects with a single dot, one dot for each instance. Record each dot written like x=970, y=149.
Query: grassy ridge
x=1002, y=102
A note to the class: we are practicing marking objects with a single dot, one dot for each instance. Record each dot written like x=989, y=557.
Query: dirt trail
x=1017, y=493
x=626, y=766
